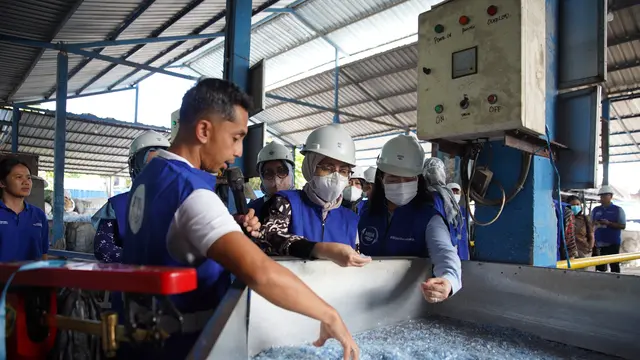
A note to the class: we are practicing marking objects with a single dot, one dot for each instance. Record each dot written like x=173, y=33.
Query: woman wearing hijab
x=275, y=166
x=352, y=195
x=443, y=198
x=463, y=243
x=311, y=223
x=400, y=219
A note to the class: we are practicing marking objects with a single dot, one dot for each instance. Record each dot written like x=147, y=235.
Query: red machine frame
x=154, y=281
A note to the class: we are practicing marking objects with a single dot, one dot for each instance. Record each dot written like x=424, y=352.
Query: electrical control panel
x=481, y=69
x=175, y=123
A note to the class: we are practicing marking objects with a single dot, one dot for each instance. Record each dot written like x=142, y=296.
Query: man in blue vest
x=609, y=220
x=175, y=218
x=110, y=220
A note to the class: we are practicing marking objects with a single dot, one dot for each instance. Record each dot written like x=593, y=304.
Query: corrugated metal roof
x=93, y=145
x=30, y=74
x=355, y=26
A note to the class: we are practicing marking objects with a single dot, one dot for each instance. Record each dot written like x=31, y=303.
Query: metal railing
x=72, y=255
x=598, y=260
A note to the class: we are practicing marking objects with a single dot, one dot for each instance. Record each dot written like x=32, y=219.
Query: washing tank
x=589, y=310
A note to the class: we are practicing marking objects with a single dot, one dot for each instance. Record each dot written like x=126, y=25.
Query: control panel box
x=481, y=69
x=175, y=123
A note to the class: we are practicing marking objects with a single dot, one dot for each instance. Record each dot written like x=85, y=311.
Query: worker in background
x=110, y=220
x=609, y=220
x=444, y=200
x=463, y=242
x=370, y=179
x=310, y=223
x=24, y=230
x=401, y=220
x=174, y=218
x=352, y=195
x=275, y=166
x=585, y=241
x=569, y=231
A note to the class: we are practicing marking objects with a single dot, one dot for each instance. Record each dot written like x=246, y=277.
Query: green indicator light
x=173, y=123
x=439, y=28
x=439, y=109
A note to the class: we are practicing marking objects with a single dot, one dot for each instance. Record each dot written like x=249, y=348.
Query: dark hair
x=570, y=198
x=378, y=198
x=212, y=97
x=7, y=164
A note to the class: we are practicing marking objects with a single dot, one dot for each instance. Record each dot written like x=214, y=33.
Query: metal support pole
x=336, y=87
x=135, y=116
x=237, y=48
x=14, y=128
x=293, y=156
x=237, y=45
x=59, y=147
x=606, y=108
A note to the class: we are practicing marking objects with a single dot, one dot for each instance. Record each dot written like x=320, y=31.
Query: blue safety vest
x=339, y=226
x=257, y=206
x=168, y=183
x=119, y=204
x=23, y=236
x=402, y=234
x=438, y=205
x=463, y=243
x=605, y=235
x=349, y=205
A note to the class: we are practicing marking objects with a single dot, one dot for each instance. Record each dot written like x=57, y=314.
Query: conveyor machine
x=595, y=311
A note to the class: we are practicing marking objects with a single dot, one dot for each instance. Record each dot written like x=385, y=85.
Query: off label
x=439, y=119
x=495, y=109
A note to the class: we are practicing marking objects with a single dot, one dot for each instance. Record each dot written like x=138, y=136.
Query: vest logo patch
x=37, y=224
x=136, y=209
x=4, y=222
x=369, y=235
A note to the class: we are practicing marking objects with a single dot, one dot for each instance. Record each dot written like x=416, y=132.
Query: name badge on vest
x=369, y=235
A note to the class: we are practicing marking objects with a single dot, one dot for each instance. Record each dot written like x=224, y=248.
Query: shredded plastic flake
x=437, y=338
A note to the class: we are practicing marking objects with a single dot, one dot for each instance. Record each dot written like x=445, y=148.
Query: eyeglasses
x=330, y=169
x=280, y=172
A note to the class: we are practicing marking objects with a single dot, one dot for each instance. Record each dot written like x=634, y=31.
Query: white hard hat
x=275, y=151
x=147, y=140
x=370, y=175
x=358, y=173
x=401, y=156
x=605, y=189
x=332, y=141
x=454, y=186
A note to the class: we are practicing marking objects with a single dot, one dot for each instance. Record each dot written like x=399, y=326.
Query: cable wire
x=559, y=208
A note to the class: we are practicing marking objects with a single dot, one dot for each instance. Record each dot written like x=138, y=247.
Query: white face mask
x=402, y=193
x=457, y=198
x=329, y=187
x=277, y=184
x=352, y=193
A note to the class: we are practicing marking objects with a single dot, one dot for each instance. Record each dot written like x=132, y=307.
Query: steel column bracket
x=531, y=144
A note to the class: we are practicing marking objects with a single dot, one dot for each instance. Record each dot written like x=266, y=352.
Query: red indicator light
x=492, y=10
x=492, y=99
x=464, y=20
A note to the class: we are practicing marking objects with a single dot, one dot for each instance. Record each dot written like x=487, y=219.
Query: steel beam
x=15, y=119
x=36, y=102
x=143, y=41
x=132, y=64
x=336, y=87
x=604, y=140
x=59, y=147
x=112, y=36
x=135, y=115
x=326, y=109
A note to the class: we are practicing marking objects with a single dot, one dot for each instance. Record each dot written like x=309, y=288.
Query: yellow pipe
x=598, y=260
